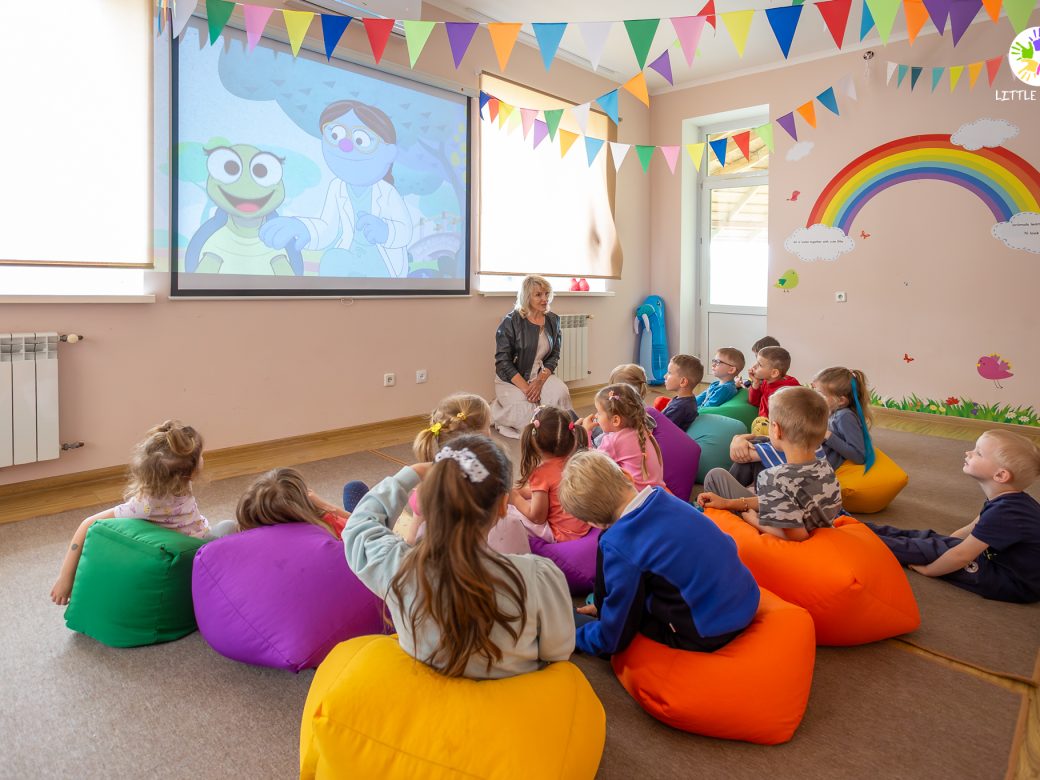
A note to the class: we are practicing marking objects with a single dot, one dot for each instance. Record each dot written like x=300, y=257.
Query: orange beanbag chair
x=373, y=711
x=845, y=576
x=754, y=689
x=872, y=491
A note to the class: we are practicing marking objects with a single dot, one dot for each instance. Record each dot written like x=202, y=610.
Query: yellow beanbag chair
x=754, y=689
x=871, y=492
x=848, y=580
x=373, y=711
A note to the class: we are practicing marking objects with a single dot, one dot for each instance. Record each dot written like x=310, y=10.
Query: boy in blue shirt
x=727, y=363
x=996, y=555
x=685, y=372
x=663, y=569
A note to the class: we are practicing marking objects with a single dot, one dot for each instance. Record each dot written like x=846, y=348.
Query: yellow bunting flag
x=637, y=86
x=504, y=112
x=567, y=139
x=296, y=24
x=738, y=24
x=503, y=38
x=513, y=122
x=973, y=74
x=696, y=152
x=808, y=112
x=955, y=75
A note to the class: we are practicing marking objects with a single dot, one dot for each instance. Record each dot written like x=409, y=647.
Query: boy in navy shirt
x=685, y=372
x=996, y=555
x=663, y=569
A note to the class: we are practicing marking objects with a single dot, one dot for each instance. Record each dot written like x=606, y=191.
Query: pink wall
x=931, y=281
x=251, y=371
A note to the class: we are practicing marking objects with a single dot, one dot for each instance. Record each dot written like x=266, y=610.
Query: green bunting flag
x=645, y=153
x=552, y=121
x=641, y=34
x=217, y=14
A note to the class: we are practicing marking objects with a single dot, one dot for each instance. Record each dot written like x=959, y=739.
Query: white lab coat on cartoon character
x=338, y=219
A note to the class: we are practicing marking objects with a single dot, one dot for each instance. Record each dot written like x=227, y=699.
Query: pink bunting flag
x=256, y=20
x=689, y=29
x=541, y=130
x=527, y=116
x=663, y=65
x=671, y=156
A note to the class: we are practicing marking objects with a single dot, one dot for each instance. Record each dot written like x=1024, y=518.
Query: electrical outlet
x=420, y=376
x=841, y=297
x=389, y=380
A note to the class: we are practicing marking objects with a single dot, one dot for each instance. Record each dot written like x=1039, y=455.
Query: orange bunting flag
x=378, y=31
x=567, y=139
x=492, y=105
x=973, y=74
x=637, y=86
x=743, y=142
x=993, y=9
x=916, y=16
x=696, y=152
x=503, y=38
x=808, y=113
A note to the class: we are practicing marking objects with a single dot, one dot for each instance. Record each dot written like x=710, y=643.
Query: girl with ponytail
x=457, y=605
x=848, y=428
x=627, y=436
x=162, y=468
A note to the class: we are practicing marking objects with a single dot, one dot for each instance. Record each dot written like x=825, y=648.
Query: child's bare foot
x=61, y=591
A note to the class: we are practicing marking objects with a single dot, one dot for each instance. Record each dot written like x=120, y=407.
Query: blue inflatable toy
x=653, y=340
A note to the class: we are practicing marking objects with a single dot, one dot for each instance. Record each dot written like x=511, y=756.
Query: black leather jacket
x=516, y=344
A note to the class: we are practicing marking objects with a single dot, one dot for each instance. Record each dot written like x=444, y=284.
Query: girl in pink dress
x=626, y=434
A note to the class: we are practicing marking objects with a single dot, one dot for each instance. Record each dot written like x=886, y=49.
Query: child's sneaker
x=353, y=492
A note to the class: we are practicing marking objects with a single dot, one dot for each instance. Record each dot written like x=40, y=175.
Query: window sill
x=556, y=294
x=77, y=299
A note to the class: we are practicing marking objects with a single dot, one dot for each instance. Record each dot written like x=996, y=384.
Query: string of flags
x=954, y=73
x=783, y=21
x=539, y=124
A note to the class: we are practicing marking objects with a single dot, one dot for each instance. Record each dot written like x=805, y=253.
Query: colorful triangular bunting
x=916, y=15
x=689, y=29
x=738, y=24
x=884, y=14
x=765, y=132
x=378, y=31
x=296, y=25
x=993, y=9
x=592, y=147
x=866, y=22
x=787, y=123
x=835, y=15
x=671, y=156
x=955, y=75
x=416, y=34
x=696, y=152
x=890, y=69
x=708, y=12
x=718, y=148
x=663, y=65
x=528, y=115
x=962, y=14
x=484, y=97
x=829, y=101
x=637, y=86
x=460, y=35
x=503, y=38
x=848, y=86
x=644, y=153
x=217, y=14
x=608, y=102
x=540, y=131
x=641, y=34
x=992, y=66
x=973, y=74
x=595, y=36
x=552, y=121
x=332, y=28
x=256, y=17
x=915, y=74
x=567, y=139
x=936, y=77
x=808, y=112
x=939, y=11
x=548, y=35
x=581, y=116
x=784, y=21
x=903, y=70
x=743, y=142
x=618, y=153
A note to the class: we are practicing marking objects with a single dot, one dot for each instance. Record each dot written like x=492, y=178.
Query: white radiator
x=574, y=353
x=28, y=397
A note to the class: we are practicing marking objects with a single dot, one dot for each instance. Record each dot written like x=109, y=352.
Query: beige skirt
x=511, y=410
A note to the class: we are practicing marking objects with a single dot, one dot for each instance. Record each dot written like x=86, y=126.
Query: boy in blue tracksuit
x=663, y=568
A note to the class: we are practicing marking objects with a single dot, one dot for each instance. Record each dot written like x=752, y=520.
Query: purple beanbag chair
x=576, y=559
x=681, y=454
x=280, y=596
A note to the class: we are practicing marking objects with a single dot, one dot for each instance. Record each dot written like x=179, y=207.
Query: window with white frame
x=540, y=211
x=78, y=140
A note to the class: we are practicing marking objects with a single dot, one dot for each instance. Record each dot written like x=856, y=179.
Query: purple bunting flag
x=787, y=122
x=460, y=34
x=663, y=65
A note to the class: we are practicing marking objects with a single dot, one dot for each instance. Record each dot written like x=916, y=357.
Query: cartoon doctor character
x=364, y=225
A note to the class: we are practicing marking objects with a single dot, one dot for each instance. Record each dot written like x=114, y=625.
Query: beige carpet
x=74, y=708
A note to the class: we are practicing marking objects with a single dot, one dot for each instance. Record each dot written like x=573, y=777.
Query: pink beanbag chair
x=280, y=596
x=681, y=455
x=576, y=559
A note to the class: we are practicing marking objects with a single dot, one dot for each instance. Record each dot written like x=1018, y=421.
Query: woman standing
x=527, y=351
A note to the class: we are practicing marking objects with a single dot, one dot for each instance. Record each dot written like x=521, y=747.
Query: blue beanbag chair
x=714, y=432
x=681, y=455
x=281, y=596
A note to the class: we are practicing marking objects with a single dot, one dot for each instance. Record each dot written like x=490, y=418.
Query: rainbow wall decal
x=1005, y=182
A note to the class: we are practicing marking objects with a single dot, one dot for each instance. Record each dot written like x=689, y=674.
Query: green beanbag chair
x=714, y=432
x=736, y=408
x=133, y=584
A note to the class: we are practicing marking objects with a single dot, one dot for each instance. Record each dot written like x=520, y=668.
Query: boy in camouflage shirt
x=794, y=498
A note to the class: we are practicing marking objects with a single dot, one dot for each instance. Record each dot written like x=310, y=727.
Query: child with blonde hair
x=459, y=414
x=457, y=605
x=627, y=434
x=162, y=468
x=545, y=445
x=996, y=555
x=848, y=427
x=631, y=374
x=282, y=496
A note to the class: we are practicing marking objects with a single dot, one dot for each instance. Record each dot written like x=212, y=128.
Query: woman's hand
x=534, y=390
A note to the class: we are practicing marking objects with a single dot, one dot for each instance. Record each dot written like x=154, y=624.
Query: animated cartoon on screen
x=246, y=186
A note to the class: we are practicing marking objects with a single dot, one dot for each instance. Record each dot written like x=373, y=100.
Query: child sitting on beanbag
x=664, y=569
x=282, y=496
x=996, y=555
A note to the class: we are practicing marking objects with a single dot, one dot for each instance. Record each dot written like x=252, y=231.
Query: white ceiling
x=716, y=56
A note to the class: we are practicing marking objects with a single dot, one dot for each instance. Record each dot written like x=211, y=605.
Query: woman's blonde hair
x=454, y=576
x=622, y=400
x=631, y=374
x=592, y=487
x=550, y=434
x=837, y=381
x=164, y=463
x=279, y=496
x=527, y=288
x=454, y=416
